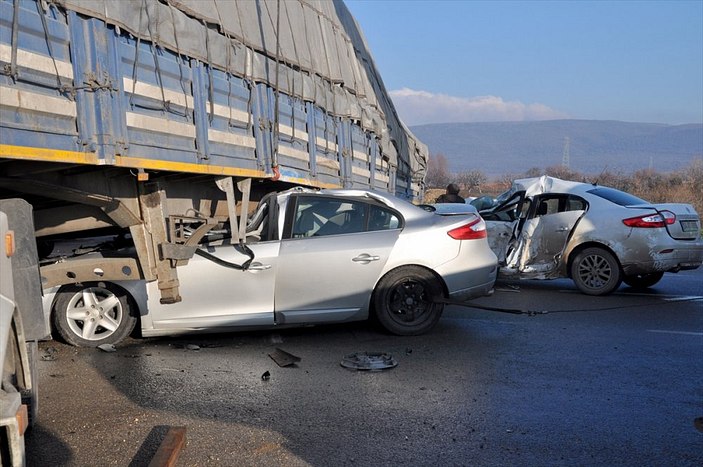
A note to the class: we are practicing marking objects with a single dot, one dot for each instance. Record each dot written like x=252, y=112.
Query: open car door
x=502, y=223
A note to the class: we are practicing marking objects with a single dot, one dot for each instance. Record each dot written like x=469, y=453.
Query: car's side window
x=318, y=217
x=382, y=219
x=552, y=204
x=574, y=203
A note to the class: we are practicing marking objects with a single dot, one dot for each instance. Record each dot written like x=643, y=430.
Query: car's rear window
x=617, y=196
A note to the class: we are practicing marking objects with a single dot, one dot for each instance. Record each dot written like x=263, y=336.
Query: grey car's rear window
x=617, y=196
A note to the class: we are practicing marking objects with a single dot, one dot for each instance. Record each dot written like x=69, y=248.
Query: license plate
x=689, y=226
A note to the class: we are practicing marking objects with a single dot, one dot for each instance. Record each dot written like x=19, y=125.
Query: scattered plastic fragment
x=266, y=376
x=283, y=358
x=276, y=339
x=192, y=347
x=49, y=354
x=107, y=348
x=373, y=361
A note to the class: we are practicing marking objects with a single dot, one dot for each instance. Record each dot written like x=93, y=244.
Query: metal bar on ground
x=170, y=448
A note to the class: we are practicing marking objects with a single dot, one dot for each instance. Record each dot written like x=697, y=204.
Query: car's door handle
x=259, y=267
x=365, y=258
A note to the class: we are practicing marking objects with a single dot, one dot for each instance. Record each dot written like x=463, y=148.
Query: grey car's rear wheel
x=405, y=301
x=90, y=315
x=642, y=281
x=595, y=271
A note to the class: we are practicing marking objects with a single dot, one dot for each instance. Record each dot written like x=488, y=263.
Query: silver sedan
x=311, y=257
x=544, y=228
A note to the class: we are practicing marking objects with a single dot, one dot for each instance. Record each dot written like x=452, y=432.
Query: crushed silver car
x=546, y=228
x=311, y=257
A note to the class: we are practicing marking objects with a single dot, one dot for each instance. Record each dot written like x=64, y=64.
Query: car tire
x=643, y=281
x=405, y=301
x=107, y=318
x=595, y=271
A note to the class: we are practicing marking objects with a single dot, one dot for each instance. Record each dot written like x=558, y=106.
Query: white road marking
x=671, y=298
x=685, y=333
x=680, y=298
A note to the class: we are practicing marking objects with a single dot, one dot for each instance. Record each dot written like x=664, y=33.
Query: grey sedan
x=544, y=228
x=311, y=257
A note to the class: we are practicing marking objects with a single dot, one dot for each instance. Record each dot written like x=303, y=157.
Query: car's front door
x=216, y=296
x=331, y=256
x=503, y=223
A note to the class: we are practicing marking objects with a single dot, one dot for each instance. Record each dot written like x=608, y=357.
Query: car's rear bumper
x=472, y=274
x=668, y=258
x=473, y=292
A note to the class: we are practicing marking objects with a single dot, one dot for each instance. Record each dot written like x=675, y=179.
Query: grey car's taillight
x=472, y=231
x=651, y=220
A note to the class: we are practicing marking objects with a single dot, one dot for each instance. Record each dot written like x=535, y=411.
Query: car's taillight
x=648, y=221
x=473, y=230
x=669, y=217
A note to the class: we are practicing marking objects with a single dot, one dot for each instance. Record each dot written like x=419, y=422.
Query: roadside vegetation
x=681, y=186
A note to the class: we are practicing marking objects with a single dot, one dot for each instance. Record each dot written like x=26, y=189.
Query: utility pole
x=565, y=154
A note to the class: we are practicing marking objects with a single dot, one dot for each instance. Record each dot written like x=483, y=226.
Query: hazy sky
x=461, y=61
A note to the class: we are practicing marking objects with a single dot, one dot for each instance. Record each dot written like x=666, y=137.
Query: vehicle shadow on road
x=61, y=453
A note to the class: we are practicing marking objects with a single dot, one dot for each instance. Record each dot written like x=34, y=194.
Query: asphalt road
x=614, y=380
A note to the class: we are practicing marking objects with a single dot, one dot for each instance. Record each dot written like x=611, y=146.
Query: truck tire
x=93, y=314
x=404, y=301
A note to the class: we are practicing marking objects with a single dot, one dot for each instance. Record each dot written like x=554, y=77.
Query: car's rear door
x=545, y=233
x=331, y=256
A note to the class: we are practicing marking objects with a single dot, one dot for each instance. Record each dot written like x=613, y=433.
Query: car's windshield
x=617, y=196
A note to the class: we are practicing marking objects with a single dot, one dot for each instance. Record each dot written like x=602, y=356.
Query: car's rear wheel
x=90, y=315
x=642, y=281
x=405, y=301
x=595, y=271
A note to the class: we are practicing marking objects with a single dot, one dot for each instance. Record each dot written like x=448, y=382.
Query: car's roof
x=547, y=184
x=408, y=209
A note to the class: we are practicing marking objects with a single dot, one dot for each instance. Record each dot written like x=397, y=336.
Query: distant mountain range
x=497, y=148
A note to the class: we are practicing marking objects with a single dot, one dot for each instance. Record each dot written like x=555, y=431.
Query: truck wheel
x=596, y=272
x=643, y=281
x=404, y=301
x=90, y=315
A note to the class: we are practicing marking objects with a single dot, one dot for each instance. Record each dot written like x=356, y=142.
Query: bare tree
x=471, y=179
x=533, y=172
x=506, y=180
x=565, y=173
x=438, y=175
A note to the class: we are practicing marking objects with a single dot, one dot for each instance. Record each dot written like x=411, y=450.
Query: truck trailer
x=159, y=122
